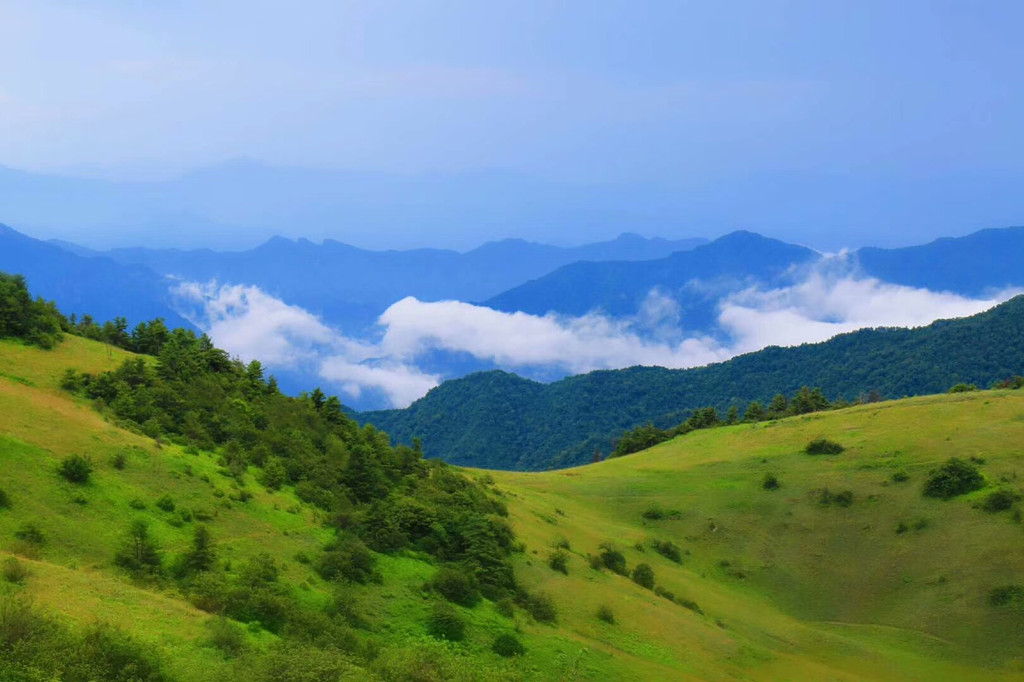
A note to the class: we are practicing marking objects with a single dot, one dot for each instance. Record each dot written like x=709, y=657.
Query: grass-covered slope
x=786, y=588
x=500, y=421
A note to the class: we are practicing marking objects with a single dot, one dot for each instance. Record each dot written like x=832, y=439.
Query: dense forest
x=498, y=420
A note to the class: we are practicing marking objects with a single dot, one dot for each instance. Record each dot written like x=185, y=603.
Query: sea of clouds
x=829, y=299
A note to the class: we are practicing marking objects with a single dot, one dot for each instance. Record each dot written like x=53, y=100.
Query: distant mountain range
x=498, y=420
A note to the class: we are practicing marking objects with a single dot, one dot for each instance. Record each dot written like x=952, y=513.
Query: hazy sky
x=813, y=115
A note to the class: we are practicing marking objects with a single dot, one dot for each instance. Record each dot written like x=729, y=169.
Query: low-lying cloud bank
x=254, y=325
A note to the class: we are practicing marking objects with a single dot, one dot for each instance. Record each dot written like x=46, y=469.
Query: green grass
x=790, y=589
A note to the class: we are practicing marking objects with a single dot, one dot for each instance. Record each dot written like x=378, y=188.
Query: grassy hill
x=771, y=584
x=500, y=421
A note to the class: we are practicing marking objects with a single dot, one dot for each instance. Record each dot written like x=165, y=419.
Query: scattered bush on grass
x=445, y=622
x=75, y=469
x=508, y=646
x=559, y=561
x=955, y=477
x=604, y=613
x=823, y=446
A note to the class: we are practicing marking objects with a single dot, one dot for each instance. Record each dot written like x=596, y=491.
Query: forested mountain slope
x=500, y=421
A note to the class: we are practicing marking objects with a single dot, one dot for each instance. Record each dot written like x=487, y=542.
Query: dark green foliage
x=31, y=534
x=139, y=554
x=202, y=556
x=498, y=420
x=346, y=558
x=1000, y=500
x=604, y=613
x=962, y=388
x=29, y=641
x=955, y=477
x=455, y=585
x=901, y=528
x=5, y=500
x=507, y=646
x=445, y=622
x=690, y=604
x=559, y=561
x=770, y=482
x=136, y=503
x=226, y=636
x=669, y=550
x=119, y=461
x=75, y=468
x=274, y=474
x=643, y=575
x=613, y=559
x=900, y=476
x=640, y=438
x=14, y=571
x=1006, y=595
x=505, y=606
x=37, y=322
x=754, y=412
x=538, y=605
x=166, y=503
x=664, y=594
x=827, y=498
x=823, y=446
x=653, y=512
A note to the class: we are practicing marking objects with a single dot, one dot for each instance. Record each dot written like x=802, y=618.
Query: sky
x=829, y=123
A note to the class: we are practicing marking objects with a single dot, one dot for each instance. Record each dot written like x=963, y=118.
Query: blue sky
x=825, y=122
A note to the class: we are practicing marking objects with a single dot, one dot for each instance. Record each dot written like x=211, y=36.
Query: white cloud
x=254, y=325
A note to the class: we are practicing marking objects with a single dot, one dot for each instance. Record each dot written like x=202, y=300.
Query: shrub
x=505, y=606
x=1000, y=500
x=823, y=446
x=691, y=605
x=899, y=476
x=226, y=636
x=901, y=528
x=562, y=543
x=5, y=500
x=962, y=388
x=613, y=559
x=770, y=482
x=139, y=555
x=456, y=586
x=559, y=561
x=842, y=499
x=643, y=575
x=664, y=594
x=136, y=503
x=507, y=646
x=119, y=461
x=654, y=512
x=75, y=468
x=346, y=558
x=538, y=605
x=165, y=503
x=669, y=550
x=604, y=613
x=955, y=477
x=595, y=562
x=446, y=623
x=31, y=534
x=14, y=571
x=1006, y=595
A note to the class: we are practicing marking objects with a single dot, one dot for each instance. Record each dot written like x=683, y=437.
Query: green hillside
x=771, y=584
x=500, y=421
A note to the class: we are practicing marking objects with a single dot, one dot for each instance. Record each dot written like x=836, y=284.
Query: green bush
x=653, y=512
x=15, y=571
x=538, y=605
x=139, y=554
x=31, y=534
x=5, y=500
x=346, y=558
x=823, y=446
x=900, y=476
x=75, y=468
x=446, y=623
x=1000, y=500
x=955, y=477
x=669, y=550
x=559, y=561
x=456, y=585
x=166, y=503
x=770, y=482
x=643, y=575
x=664, y=594
x=505, y=606
x=613, y=559
x=226, y=636
x=604, y=613
x=507, y=646
x=962, y=388
x=119, y=461
x=842, y=499
x=1006, y=595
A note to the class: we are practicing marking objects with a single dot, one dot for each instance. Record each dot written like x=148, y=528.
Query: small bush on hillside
x=604, y=613
x=119, y=461
x=346, y=558
x=559, y=561
x=664, y=594
x=770, y=482
x=226, y=636
x=962, y=388
x=505, y=606
x=31, y=534
x=5, y=500
x=75, y=468
x=15, y=571
x=562, y=543
x=654, y=512
x=456, y=585
x=955, y=477
x=136, y=503
x=827, y=498
x=139, y=554
x=595, y=562
x=1000, y=500
x=899, y=476
x=613, y=559
x=538, y=605
x=823, y=446
x=445, y=622
x=1006, y=595
x=669, y=550
x=165, y=503
x=690, y=604
x=274, y=474
x=643, y=575
x=507, y=646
